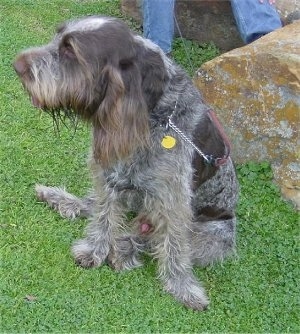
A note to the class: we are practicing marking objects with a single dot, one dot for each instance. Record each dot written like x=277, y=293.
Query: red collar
x=220, y=161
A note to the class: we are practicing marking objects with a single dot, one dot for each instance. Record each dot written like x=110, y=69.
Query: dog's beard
x=63, y=117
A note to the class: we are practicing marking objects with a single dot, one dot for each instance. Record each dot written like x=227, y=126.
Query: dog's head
x=99, y=70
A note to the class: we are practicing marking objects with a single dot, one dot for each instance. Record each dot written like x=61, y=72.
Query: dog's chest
x=127, y=176
x=146, y=168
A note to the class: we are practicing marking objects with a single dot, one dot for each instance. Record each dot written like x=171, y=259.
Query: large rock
x=132, y=8
x=209, y=20
x=289, y=10
x=204, y=21
x=255, y=91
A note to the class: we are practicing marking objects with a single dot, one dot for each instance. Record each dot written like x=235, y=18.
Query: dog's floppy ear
x=121, y=121
x=154, y=76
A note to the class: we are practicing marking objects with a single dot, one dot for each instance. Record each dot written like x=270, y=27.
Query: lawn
x=41, y=288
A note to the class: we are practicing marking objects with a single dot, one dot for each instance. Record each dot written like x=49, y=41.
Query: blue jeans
x=253, y=19
x=158, y=22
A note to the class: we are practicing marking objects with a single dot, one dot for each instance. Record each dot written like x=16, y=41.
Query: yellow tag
x=168, y=142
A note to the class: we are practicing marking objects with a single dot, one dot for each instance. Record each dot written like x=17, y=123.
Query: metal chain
x=170, y=124
x=208, y=158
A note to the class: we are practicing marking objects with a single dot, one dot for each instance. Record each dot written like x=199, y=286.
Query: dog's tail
x=68, y=205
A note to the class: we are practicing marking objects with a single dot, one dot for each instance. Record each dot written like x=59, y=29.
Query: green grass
x=42, y=289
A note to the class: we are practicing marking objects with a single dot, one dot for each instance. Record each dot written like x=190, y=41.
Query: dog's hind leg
x=213, y=240
x=68, y=205
x=214, y=223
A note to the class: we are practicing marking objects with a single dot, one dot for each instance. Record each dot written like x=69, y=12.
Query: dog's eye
x=125, y=64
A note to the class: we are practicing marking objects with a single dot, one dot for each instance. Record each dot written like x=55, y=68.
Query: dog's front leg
x=171, y=246
x=93, y=250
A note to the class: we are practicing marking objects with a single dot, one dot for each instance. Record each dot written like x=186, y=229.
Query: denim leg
x=158, y=22
x=254, y=19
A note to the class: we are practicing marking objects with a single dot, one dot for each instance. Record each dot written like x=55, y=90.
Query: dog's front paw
x=190, y=294
x=87, y=255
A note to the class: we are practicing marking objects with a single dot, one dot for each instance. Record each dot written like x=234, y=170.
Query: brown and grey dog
x=157, y=149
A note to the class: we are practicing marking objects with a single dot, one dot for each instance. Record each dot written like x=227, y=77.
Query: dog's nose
x=20, y=66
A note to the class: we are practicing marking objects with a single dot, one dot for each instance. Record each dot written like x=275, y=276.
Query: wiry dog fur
x=126, y=88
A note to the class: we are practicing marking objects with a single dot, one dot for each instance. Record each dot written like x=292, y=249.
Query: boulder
x=203, y=21
x=132, y=8
x=255, y=91
x=289, y=10
x=210, y=20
